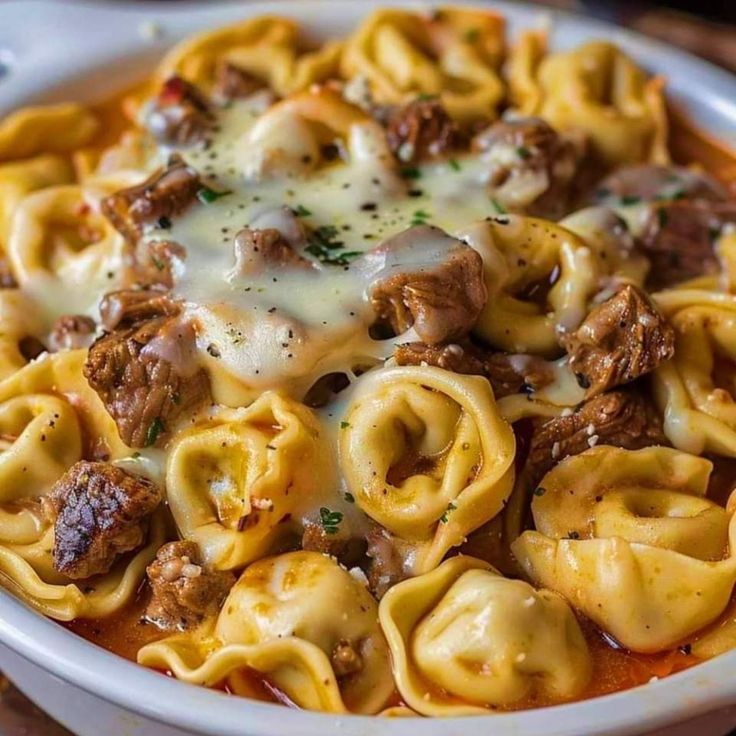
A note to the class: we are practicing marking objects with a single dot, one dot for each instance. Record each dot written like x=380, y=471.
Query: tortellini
x=46, y=129
x=539, y=276
x=62, y=250
x=697, y=388
x=303, y=621
x=629, y=538
x=237, y=483
x=266, y=47
x=463, y=639
x=454, y=53
x=596, y=89
x=426, y=454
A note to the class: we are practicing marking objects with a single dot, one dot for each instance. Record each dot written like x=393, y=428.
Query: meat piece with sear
x=156, y=263
x=621, y=339
x=620, y=418
x=508, y=374
x=532, y=168
x=431, y=281
x=233, y=82
x=101, y=513
x=166, y=193
x=421, y=130
x=185, y=590
x=145, y=370
x=180, y=115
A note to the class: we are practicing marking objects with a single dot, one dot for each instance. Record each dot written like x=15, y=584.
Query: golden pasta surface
x=392, y=375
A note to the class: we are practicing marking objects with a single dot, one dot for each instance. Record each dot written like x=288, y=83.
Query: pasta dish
x=394, y=375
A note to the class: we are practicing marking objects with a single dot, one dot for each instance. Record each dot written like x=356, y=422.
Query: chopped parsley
x=344, y=425
x=628, y=199
x=450, y=508
x=326, y=248
x=301, y=211
x=454, y=164
x=420, y=217
x=500, y=209
x=330, y=520
x=207, y=196
x=410, y=172
x=424, y=96
x=471, y=35
x=154, y=431
x=160, y=265
x=662, y=216
x=523, y=152
x=349, y=497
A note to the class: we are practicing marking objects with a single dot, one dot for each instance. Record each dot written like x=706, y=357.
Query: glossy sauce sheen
x=365, y=207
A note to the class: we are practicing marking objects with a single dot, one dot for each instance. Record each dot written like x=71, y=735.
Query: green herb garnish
x=500, y=209
x=207, y=196
x=628, y=199
x=450, y=508
x=301, y=211
x=523, y=152
x=662, y=216
x=344, y=425
x=154, y=431
x=325, y=247
x=454, y=164
x=330, y=520
x=349, y=498
x=410, y=172
x=420, y=217
x=471, y=35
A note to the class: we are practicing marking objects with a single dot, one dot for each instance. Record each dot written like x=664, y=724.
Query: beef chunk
x=347, y=549
x=129, y=307
x=234, y=83
x=621, y=339
x=180, y=115
x=31, y=347
x=683, y=213
x=72, y=331
x=532, y=167
x=619, y=418
x=155, y=263
x=386, y=561
x=678, y=238
x=649, y=183
x=442, y=296
x=101, y=513
x=145, y=370
x=508, y=374
x=421, y=130
x=185, y=591
x=259, y=250
x=167, y=192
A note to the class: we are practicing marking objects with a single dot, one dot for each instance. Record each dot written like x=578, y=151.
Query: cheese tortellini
x=454, y=53
x=695, y=389
x=267, y=47
x=237, y=482
x=629, y=538
x=539, y=275
x=597, y=89
x=465, y=632
x=426, y=454
x=302, y=620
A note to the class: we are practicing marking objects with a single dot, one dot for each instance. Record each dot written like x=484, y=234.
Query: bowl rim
x=703, y=688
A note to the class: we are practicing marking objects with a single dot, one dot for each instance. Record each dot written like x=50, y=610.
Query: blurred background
x=706, y=28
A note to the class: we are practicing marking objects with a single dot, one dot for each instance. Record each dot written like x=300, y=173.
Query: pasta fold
x=597, y=89
x=629, y=538
x=454, y=53
x=426, y=454
x=288, y=617
x=464, y=639
x=237, y=483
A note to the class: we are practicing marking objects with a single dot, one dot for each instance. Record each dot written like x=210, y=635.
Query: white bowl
x=82, y=51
